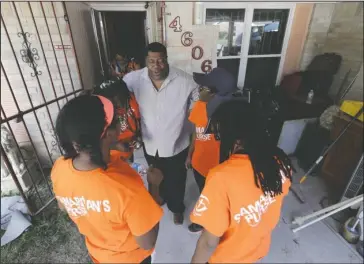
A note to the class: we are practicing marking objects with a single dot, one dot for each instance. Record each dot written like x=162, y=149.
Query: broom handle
x=317, y=162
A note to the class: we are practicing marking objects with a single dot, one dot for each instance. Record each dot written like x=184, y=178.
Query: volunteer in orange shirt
x=204, y=150
x=101, y=193
x=128, y=112
x=242, y=199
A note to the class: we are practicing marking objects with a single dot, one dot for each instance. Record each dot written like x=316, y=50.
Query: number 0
x=200, y=54
x=176, y=24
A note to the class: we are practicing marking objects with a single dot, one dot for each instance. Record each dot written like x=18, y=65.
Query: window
x=267, y=31
x=231, y=22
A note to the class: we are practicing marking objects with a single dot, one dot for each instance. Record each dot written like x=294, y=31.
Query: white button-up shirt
x=164, y=112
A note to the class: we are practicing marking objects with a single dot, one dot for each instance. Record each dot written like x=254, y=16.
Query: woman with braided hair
x=128, y=111
x=241, y=202
x=101, y=193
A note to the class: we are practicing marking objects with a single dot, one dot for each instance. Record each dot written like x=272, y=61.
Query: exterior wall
x=79, y=15
x=71, y=79
x=356, y=91
x=300, y=24
x=157, y=33
x=337, y=28
x=180, y=56
x=317, y=33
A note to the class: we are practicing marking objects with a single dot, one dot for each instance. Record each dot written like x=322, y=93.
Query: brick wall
x=337, y=27
x=356, y=92
x=63, y=80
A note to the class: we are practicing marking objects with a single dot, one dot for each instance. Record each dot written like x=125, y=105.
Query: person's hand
x=154, y=176
x=135, y=143
x=188, y=162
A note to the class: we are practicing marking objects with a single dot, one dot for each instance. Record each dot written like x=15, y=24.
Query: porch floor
x=319, y=243
x=53, y=238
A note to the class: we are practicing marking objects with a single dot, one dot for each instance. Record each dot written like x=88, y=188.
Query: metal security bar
x=27, y=158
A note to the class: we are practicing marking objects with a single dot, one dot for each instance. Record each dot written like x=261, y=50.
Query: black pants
x=172, y=188
x=200, y=180
x=148, y=260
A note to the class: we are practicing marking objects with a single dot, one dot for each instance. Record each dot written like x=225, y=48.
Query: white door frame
x=249, y=9
x=130, y=6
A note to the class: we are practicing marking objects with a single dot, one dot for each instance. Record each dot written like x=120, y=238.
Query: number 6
x=186, y=38
x=206, y=66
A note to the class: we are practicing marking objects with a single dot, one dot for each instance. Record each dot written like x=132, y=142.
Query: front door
x=101, y=19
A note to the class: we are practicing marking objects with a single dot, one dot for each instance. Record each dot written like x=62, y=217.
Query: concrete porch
x=319, y=243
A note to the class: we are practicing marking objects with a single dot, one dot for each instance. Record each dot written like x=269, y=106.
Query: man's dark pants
x=172, y=188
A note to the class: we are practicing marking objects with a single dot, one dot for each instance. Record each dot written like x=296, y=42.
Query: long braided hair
x=239, y=122
x=117, y=88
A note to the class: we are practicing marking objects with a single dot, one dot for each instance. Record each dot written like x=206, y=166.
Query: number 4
x=176, y=24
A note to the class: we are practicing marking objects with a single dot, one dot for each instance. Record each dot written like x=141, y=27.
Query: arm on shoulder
x=130, y=79
x=195, y=95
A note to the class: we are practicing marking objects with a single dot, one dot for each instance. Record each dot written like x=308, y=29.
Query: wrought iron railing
x=32, y=57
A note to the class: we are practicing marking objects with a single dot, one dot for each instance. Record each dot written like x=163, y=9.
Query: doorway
x=121, y=27
x=125, y=34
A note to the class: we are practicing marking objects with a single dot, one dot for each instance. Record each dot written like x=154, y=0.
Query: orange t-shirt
x=233, y=208
x=128, y=129
x=207, y=148
x=109, y=208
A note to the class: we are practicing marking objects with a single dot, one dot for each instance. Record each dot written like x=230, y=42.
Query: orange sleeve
x=194, y=113
x=142, y=213
x=211, y=210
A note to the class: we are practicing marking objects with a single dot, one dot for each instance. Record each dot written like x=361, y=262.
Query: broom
x=298, y=192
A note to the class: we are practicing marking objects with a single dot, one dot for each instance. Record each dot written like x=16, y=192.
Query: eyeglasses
x=204, y=88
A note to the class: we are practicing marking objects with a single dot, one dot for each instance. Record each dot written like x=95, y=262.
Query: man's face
x=157, y=65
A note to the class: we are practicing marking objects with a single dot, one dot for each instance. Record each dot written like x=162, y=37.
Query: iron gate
x=39, y=73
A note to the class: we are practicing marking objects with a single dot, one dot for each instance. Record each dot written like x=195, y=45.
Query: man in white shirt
x=165, y=95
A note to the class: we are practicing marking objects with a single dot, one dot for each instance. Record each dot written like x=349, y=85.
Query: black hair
x=82, y=121
x=156, y=47
x=118, y=88
x=238, y=121
x=114, y=88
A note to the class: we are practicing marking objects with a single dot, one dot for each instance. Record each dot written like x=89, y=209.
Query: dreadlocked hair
x=239, y=122
x=81, y=123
